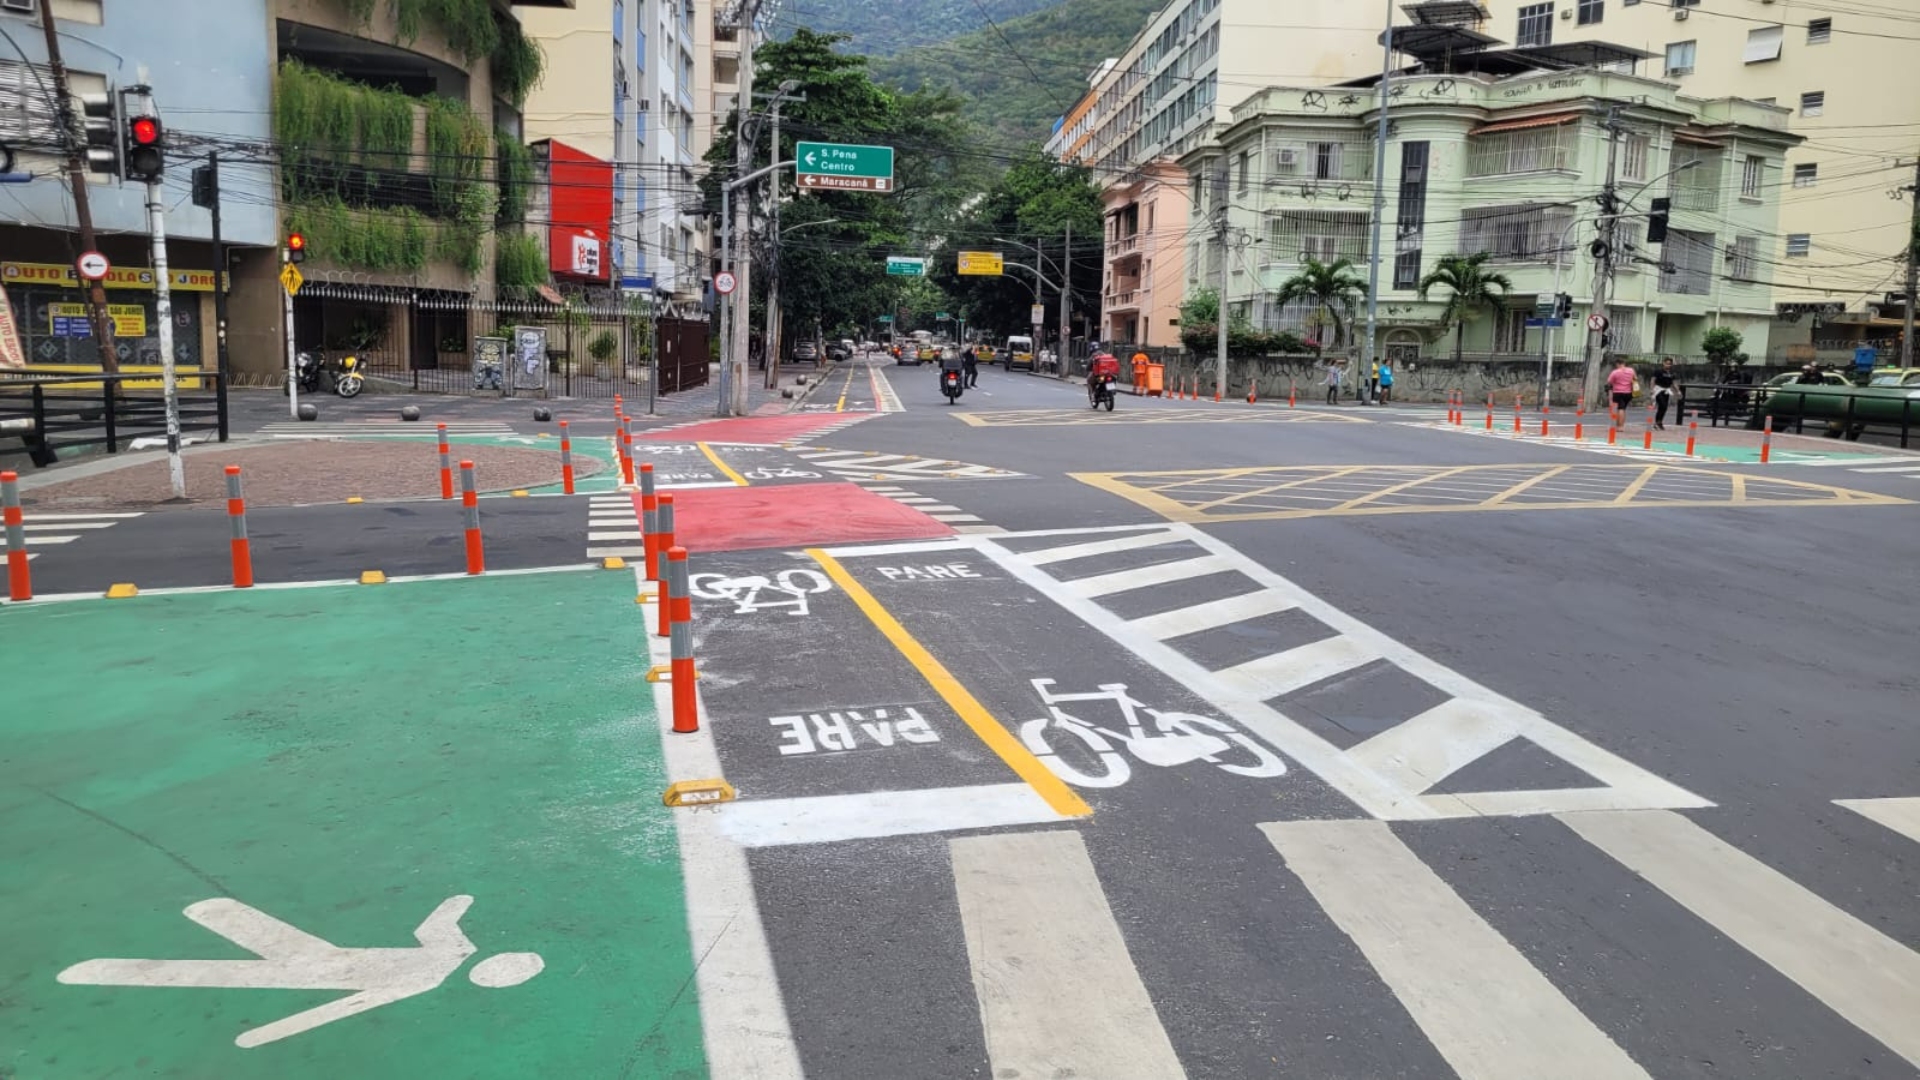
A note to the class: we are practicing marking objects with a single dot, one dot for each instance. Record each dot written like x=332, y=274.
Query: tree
x=1034, y=201
x=1722, y=346
x=1332, y=288
x=1470, y=286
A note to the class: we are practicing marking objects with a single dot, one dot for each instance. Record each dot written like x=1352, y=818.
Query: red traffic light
x=145, y=130
x=296, y=247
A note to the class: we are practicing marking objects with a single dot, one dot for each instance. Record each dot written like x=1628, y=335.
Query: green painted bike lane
x=344, y=760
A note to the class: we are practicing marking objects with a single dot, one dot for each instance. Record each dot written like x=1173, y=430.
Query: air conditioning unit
x=1566, y=13
x=1673, y=72
x=1286, y=159
x=1681, y=14
x=644, y=105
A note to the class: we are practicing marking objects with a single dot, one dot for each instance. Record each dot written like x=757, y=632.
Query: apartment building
x=1177, y=80
x=1846, y=73
x=620, y=87
x=1146, y=233
x=1509, y=165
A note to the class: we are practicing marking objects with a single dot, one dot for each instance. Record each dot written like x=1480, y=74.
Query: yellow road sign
x=982, y=263
x=291, y=279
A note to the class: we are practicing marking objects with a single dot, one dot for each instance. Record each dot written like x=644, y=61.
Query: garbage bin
x=1156, y=379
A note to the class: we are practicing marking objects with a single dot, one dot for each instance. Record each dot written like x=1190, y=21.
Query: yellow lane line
x=721, y=465
x=1525, y=484
x=1639, y=482
x=841, y=405
x=1063, y=799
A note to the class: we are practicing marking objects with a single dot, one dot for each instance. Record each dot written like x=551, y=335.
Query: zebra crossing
x=961, y=521
x=613, y=529
x=385, y=429
x=45, y=530
x=1903, y=466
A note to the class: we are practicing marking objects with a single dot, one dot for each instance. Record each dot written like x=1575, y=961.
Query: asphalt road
x=1238, y=741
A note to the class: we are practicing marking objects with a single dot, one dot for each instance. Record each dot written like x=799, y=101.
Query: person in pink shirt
x=1620, y=384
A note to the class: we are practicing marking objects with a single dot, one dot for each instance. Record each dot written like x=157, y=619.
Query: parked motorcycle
x=351, y=378
x=950, y=385
x=313, y=374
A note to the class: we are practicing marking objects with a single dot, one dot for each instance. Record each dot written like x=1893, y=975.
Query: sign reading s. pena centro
x=843, y=166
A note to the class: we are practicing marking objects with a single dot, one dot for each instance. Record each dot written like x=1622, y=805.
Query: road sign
x=884, y=318
x=844, y=160
x=1596, y=322
x=724, y=282
x=1039, y=313
x=291, y=279
x=982, y=263
x=92, y=265
x=906, y=266
x=846, y=183
x=941, y=317
x=1545, y=324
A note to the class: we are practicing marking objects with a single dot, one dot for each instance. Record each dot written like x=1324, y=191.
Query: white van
x=1019, y=352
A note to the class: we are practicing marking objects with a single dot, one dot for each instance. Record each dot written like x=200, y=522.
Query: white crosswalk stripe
x=59, y=528
x=373, y=429
x=613, y=528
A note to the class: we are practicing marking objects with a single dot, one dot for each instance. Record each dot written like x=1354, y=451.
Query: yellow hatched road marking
x=1524, y=485
x=1641, y=481
x=721, y=465
x=1053, y=790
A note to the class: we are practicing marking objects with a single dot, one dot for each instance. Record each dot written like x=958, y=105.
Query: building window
x=1410, y=226
x=1806, y=175
x=1406, y=270
x=1799, y=245
x=1536, y=25
x=1743, y=259
x=1293, y=236
x=1813, y=103
x=1523, y=233
x=1752, y=175
x=1633, y=157
x=1696, y=187
x=1245, y=169
x=1680, y=58
x=1819, y=31
x=1534, y=150
x=1510, y=330
x=1591, y=12
x=1326, y=161
x=1763, y=43
x=1686, y=3
x=1688, y=266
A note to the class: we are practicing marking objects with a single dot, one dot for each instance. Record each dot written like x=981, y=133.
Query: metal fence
x=49, y=413
x=593, y=345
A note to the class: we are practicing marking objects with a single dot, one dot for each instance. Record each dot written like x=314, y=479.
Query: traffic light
x=296, y=248
x=1657, y=221
x=144, y=152
x=1562, y=306
x=100, y=123
x=204, y=193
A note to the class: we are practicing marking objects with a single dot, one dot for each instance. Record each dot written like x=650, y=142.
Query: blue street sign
x=1545, y=324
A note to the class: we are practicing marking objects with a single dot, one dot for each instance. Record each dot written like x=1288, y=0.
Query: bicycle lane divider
x=725, y=469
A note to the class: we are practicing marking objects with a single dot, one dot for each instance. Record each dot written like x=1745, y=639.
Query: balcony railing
x=1126, y=245
x=1128, y=299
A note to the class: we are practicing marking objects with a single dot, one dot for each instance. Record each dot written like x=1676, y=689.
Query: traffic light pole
x=82, y=209
x=219, y=263
x=293, y=365
x=163, y=314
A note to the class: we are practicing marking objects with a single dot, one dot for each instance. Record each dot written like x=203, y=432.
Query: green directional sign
x=942, y=317
x=884, y=318
x=843, y=167
x=906, y=266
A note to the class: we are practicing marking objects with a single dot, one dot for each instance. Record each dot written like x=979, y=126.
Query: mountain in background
x=1016, y=81
x=884, y=27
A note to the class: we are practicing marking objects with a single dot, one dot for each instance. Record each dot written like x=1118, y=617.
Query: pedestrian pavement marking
x=1275, y=493
x=1195, y=414
x=1900, y=815
x=870, y=468
x=1063, y=799
x=1488, y=1011
x=725, y=469
x=822, y=819
x=291, y=959
x=1282, y=673
x=1868, y=978
x=1059, y=995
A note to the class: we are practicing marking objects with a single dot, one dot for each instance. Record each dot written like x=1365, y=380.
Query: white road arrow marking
x=292, y=959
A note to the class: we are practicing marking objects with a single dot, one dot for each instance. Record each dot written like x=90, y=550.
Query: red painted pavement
x=747, y=429
x=792, y=515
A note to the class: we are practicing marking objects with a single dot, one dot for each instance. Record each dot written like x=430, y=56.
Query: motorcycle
x=313, y=374
x=1100, y=391
x=950, y=385
x=351, y=378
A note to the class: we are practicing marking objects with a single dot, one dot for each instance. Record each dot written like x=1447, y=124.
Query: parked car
x=837, y=351
x=806, y=352
x=1895, y=376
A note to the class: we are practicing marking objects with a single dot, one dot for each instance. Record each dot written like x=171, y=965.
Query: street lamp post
x=1066, y=281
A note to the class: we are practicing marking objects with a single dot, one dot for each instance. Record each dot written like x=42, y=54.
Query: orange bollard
x=650, y=522
x=618, y=412
x=237, y=518
x=1646, y=443
x=1516, y=417
x=1693, y=431
x=446, y=466
x=1580, y=424
x=1544, y=414
x=665, y=542
x=1292, y=393
x=1766, y=441
x=1216, y=391
x=679, y=608
x=626, y=453
x=1613, y=434
x=566, y=459
x=1489, y=412
x=19, y=578
x=470, y=509
x=1253, y=392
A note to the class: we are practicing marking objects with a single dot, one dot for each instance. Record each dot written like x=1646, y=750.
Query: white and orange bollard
x=446, y=465
x=470, y=510
x=664, y=542
x=1646, y=443
x=242, y=548
x=1580, y=423
x=1293, y=393
x=1693, y=432
x=650, y=523
x=566, y=459
x=1489, y=412
x=626, y=451
x=679, y=609
x=1545, y=414
x=1253, y=392
x=19, y=577
x=1766, y=441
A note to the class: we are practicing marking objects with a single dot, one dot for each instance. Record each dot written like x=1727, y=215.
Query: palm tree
x=1471, y=286
x=1332, y=288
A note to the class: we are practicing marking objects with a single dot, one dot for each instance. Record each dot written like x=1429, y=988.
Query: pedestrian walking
x=1663, y=391
x=970, y=366
x=1621, y=382
x=1333, y=382
x=1385, y=367
x=1373, y=382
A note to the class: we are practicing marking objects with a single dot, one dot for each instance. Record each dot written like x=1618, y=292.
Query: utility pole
x=1379, y=202
x=772, y=343
x=1066, y=298
x=1603, y=275
x=734, y=402
x=77, y=181
x=163, y=311
x=1913, y=271
x=1220, y=314
x=209, y=197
